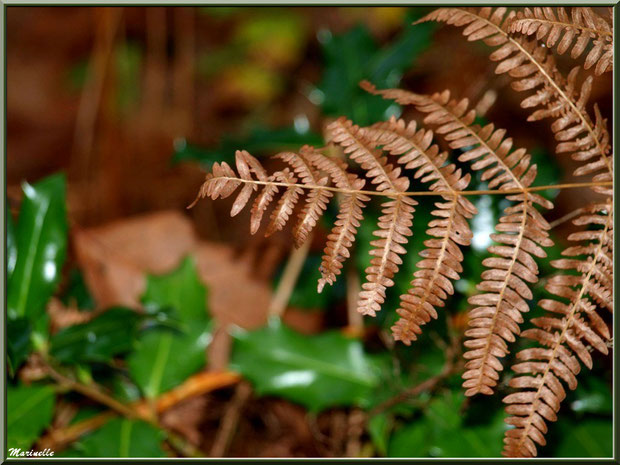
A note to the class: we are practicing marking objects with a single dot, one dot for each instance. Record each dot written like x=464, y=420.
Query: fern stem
x=567, y=217
x=289, y=279
x=395, y=194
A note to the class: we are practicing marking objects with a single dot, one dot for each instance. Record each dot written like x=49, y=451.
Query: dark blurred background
x=106, y=94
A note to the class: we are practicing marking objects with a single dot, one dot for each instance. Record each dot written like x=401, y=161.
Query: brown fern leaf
x=394, y=225
x=317, y=199
x=394, y=229
x=442, y=258
x=246, y=163
x=221, y=182
x=584, y=25
x=263, y=200
x=522, y=232
x=284, y=208
x=534, y=69
x=563, y=336
x=349, y=216
x=361, y=150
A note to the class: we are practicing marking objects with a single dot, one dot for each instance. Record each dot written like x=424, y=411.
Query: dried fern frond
x=396, y=221
x=534, y=70
x=348, y=220
x=317, y=200
x=442, y=258
x=584, y=25
x=522, y=232
x=564, y=335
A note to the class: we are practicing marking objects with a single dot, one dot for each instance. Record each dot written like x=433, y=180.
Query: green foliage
x=110, y=334
x=18, y=343
x=165, y=357
x=353, y=57
x=259, y=141
x=592, y=396
x=11, y=246
x=122, y=438
x=40, y=333
x=180, y=290
x=41, y=247
x=304, y=294
x=77, y=294
x=379, y=430
x=29, y=412
x=442, y=431
x=588, y=438
x=412, y=440
x=318, y=371
x=549, y=172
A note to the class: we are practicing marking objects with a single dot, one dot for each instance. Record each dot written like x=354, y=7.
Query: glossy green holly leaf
x=180, y=290
x=85, y=412
x=412, y=440
x=40, y=333
x=592, y=437
x=18, y=343
x=121, y=437
x=11, y=246
x=123, y=388
x=259, y=141
x=444, y=410
x=379, y=427
x=164, y=358
x=29, y=412
x=477, y=440
x=41, y=235
x=112, y=333
x=317, y=371
x=433, y=434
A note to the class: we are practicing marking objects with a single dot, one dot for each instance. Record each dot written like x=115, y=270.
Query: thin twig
x=355, y=320
x=90, y=100
x=195, y=385
x=229, y=421
x=568, y=217
x=289, y=279
x=59, y=438
x=92, y=393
